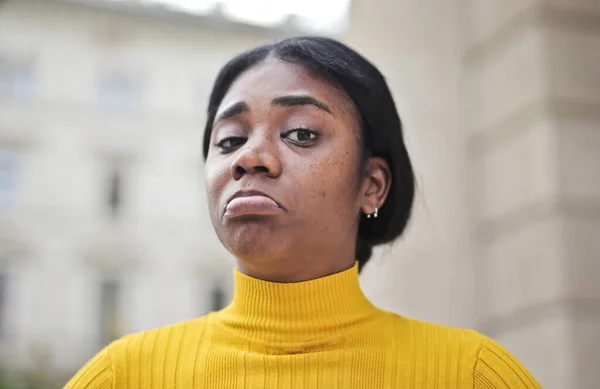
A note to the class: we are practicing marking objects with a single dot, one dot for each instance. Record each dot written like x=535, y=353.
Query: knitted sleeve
x=496, y=368
x=96, y=374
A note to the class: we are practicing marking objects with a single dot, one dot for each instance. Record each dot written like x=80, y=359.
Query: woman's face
x=283, y=173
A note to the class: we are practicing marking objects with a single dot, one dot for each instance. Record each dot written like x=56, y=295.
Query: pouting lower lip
x=251, y=205
x=248, y=193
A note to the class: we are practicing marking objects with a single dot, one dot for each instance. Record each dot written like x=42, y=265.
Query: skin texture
x=315, y=178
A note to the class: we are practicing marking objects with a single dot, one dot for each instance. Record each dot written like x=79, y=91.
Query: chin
x=252, y=240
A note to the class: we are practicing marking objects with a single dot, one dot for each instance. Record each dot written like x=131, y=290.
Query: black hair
x=381, y=132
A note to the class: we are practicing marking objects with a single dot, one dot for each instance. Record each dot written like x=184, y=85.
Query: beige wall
x=531, y=102
x=500, y=101
x=428, y=273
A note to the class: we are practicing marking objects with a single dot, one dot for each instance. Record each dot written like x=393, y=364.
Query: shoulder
x=471, y=356
x=133, y=354
x=156, y=339
x=497, y=368
x=128, y=355
x=424, y=335
x=97, y=373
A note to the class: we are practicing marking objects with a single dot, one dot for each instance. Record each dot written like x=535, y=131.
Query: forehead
x=273, y=78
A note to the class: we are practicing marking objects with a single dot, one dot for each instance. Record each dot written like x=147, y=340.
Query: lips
x=251, y=203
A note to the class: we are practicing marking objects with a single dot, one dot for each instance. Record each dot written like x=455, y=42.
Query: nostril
x=240, y=170
x=261, y=169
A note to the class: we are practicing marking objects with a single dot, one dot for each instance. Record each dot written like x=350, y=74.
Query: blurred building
x=103, y=226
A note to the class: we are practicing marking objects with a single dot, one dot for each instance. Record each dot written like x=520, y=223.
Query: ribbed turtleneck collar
x=291, y=313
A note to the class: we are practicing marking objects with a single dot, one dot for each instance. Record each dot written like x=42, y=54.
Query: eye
x=230, y=143
x=302, y=136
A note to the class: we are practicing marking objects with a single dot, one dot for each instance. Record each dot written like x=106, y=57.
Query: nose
x=257, y=156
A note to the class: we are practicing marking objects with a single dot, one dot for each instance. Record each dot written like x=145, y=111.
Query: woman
x=306, y=171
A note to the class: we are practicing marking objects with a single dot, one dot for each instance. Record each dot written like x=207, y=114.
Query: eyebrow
x=282, y=101
x=233, y=110
x=298, y=100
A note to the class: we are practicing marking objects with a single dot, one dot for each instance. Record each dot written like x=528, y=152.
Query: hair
x=381, y=127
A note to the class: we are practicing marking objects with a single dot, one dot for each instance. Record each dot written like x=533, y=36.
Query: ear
x=376, y=184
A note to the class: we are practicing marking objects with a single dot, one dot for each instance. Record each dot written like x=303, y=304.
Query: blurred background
x=103, y=223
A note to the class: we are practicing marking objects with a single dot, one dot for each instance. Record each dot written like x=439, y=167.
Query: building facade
x=103, y=226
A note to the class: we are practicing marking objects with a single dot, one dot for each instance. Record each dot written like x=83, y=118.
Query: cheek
x=333, y=183
x=215, y=177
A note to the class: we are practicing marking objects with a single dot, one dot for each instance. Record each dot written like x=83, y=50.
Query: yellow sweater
x=322, y=333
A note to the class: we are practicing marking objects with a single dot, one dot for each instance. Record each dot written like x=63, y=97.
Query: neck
x=285, y=271
x=298, y=312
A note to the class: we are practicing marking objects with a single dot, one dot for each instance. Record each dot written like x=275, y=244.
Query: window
x=114, y=193
x=3, y=303
x=110, y=318
x=217, y=298
x=213, y=293
x=8, y=162
x=16, y=78
x=119, y=91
